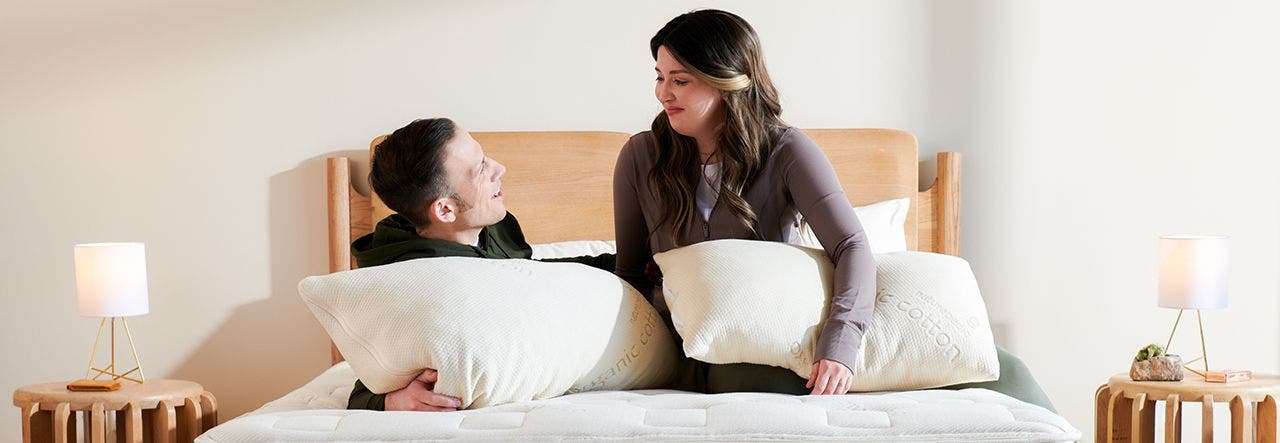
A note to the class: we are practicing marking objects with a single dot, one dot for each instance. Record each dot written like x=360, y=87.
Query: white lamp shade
x=111, y=279
x=1193, y=271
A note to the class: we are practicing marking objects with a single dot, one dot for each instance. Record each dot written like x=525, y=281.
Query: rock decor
x=1152, y=364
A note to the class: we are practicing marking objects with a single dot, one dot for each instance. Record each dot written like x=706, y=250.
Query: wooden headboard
x=560, y=185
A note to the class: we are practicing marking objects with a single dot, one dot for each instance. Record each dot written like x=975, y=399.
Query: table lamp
x=1193, y=275
x=111, y=282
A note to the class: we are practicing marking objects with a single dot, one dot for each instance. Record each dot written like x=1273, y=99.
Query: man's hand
x=829, y=377
x=419, y=397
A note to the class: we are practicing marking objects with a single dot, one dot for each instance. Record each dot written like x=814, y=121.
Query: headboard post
x=339, y=214
x=339, y=184
x=947, y=204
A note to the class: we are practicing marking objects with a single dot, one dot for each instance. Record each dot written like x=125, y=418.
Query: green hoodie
x=396, y=240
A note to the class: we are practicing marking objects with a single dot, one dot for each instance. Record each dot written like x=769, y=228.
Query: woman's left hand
x=829, y=377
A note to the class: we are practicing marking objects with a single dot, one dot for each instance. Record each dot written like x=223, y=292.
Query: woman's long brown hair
x=723, y=50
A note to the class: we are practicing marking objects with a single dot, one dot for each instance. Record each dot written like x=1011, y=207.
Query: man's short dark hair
x=407, y=170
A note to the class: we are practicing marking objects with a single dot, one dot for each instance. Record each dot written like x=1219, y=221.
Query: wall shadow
x=269, y=347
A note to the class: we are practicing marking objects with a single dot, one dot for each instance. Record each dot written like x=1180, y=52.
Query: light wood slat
x=164, y=422
x=1206, y=419
x=1135, y=420
x=133, y=423
x=189, y=420
x=63, y=424
x=1237, y=419
x=97, y=424
x=1267, y=420
x=209, y=411
x=28, y=416
x=1172, y=418
x=1117, y=418
x=41, y=424
x=1101, y=401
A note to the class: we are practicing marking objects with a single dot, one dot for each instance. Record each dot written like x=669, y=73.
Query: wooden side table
x=1125, y=409
x=171, y=410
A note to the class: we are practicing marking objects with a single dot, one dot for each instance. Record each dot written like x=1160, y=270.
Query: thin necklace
x=704, y=173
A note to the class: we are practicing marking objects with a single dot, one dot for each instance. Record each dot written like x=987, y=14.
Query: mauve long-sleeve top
x=796, y=183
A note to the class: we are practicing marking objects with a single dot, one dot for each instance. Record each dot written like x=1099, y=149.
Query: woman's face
x=693, y=106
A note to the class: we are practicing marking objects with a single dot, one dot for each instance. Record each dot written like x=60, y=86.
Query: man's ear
x=442, y=211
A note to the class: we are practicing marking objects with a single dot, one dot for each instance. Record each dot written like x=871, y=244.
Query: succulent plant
x=1149, y=351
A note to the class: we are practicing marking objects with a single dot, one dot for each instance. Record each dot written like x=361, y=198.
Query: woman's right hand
x=829, y=377
x=419, y=397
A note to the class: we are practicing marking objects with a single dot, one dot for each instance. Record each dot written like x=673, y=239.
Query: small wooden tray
x=1228, y=376
x=93, y=385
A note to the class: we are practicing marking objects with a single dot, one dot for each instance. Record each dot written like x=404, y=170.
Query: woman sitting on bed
x=720, y=163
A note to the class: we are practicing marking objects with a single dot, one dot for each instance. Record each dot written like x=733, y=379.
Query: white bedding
x=315, y=412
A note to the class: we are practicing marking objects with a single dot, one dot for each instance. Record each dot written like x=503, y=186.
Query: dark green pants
x=1015, y=380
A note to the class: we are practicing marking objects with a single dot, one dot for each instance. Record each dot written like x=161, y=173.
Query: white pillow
x=574, y=248
x=497, y=331
x=742, y=301
x=884, y=222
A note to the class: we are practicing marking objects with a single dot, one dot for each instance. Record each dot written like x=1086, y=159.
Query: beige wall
x=1107, y=124
x=201, y=128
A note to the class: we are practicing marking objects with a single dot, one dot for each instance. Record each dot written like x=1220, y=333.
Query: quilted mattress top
x=315, y=412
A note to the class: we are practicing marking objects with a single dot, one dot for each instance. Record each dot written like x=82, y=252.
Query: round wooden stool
x=170, y=410
x=1125, y=409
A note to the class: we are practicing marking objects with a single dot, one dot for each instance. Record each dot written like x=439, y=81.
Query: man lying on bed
x=436, y=172
x=449, y=203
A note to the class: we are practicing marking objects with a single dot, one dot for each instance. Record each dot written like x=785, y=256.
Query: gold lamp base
x=91, y=375
x=1204, y=353
x=1226, y=376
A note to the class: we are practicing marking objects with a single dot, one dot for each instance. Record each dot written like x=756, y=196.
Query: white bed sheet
x=315, y=412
